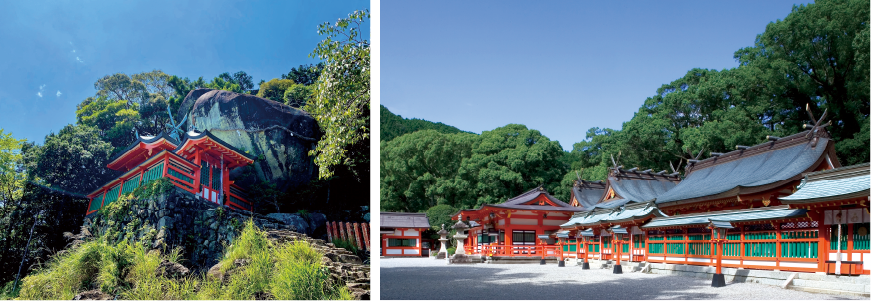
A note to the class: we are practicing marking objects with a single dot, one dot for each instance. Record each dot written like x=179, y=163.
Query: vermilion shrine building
x=783, y=201
x=401, y=233
x=200, y=164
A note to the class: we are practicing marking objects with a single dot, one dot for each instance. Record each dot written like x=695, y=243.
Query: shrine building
x=200, y=164
x=401, y=233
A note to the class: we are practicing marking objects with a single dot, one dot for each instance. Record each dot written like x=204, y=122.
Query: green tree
x=73, y=160
x=393, y=125
x=305, y=74
x=341, y=104
x=509, y=161
x=114, y=119
x=298, y=95
x=440, y=215
x=240, y=78
x=274, y=89
x=419, y=170
x=155, y=83
x=120, y=86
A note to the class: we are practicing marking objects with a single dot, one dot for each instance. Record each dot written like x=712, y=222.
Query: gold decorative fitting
x=766, y=202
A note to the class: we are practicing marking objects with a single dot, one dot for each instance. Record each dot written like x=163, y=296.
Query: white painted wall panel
x=798, y=264
x=411, y=252
x=691, y=259
x=411, y=232
x=554, y=222
x=394, y=251
x=760, y=262
x=523, y=221
x=656, y=257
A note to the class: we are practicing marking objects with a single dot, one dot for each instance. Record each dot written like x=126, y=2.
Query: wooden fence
x=356, y=233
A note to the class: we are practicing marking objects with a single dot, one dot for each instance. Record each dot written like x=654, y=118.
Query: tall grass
x=129, y=271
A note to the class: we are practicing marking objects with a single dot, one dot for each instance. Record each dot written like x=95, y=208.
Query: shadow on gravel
x=480, y=283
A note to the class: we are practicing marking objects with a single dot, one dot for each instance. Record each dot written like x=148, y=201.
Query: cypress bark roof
x=704, y=218
x=840, y=183
x=755, y=169
x=404, y=220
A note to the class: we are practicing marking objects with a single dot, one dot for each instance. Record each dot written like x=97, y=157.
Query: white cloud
x=39, y=94
x=74, y=51
x=42, y=87
x=58, y=93
x=79, y=60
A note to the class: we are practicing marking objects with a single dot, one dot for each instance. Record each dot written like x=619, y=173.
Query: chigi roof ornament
x=817, y=126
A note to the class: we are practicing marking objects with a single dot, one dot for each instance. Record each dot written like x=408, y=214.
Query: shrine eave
x=140, y=150
x=208, y=142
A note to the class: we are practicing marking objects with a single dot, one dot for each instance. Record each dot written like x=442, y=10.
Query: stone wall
x=180, y=219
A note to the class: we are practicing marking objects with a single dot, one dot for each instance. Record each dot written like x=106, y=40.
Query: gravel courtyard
x=424, y=278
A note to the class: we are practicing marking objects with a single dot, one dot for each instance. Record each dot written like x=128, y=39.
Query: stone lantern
x=460, y=236
x=443, y=251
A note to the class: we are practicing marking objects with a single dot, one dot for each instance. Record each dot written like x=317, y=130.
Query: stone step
x=829, y=287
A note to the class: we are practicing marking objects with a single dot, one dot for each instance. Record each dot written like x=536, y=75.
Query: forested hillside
x=815, y=57
x=393, y=125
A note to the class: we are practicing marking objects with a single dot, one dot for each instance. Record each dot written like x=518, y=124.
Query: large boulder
x=279, y=135
x=292, y=219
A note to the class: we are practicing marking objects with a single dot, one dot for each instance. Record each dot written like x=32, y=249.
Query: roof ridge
x=788, y=141
x=847, y=170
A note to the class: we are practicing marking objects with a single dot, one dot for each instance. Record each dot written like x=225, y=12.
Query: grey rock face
x=281, y=134
x=292, y=219
x=317, y=221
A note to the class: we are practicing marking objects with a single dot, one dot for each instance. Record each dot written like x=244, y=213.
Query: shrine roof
x=404, y=220
x=839, y=183
x=741, y=215
x=752, y=170
x=588, y=193
x=135, y=148
x=196, y=135
x=639, y=190
x=531, y=195
x=629, y=212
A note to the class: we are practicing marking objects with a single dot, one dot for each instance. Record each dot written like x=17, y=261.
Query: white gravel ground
x=424, y=278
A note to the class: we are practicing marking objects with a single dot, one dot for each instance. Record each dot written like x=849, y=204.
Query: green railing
x=153, y=174
x=639, y=241
x=862, y=242
x=675, y=249
x=731, y=249
x=606, y=242
x=565, y=248
x=655, y=248
x=699, y=237
x=180, y=176
x=760, y=249
x=96, y=203
x=699, y=248
x=204, y=174
x=625, y=248
x=799, y=249
x=112, y=195
x=656, y=238
x=736, y=236
x=573, y=248
x=593, y=248
x=675, y=237
x=131, y=184
x=760, y=236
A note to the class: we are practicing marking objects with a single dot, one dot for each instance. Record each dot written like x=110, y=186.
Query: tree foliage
x=274, y=89
x=341, y=102
x=393, y=125
x=305, y=74
x=439, y=215
x=298, y=95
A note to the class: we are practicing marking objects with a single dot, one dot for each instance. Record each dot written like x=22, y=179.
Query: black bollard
x=562, y=263
x=718, y=281
x=618, y=269
x=542, y=261
x=585, y=266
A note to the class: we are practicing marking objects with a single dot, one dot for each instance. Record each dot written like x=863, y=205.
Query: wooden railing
x=521, y=250
x=356, y=233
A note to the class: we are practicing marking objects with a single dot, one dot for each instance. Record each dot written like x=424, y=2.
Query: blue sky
x=54, y=51
x=560, y=67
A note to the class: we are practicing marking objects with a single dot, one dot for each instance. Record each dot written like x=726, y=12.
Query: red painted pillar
x=366, y=235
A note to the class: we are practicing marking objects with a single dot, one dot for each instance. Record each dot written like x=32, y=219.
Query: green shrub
x=346, y=244
x=299, y=275
x=452, y=250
